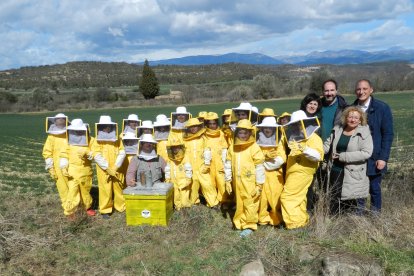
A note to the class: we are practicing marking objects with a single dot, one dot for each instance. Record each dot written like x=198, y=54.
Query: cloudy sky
x=39, y=32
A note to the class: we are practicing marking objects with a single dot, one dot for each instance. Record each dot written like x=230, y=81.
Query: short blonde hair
x=350, y=109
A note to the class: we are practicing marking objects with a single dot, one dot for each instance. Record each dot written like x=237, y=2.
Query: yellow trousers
x=78, y=190
x=110, y=193
x=208, y=190
x=270, y=208
x=293, y=200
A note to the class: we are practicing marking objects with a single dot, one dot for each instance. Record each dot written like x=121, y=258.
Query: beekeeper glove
x=223, y=155
x=227, y=171
x=229, y=187
x=64, y=164
x=205, y=169
x=271, y=154
x=48, y=163
x=295, y=148
x=120, y=159
x=65, y=172
x=273, y=164
x=52, y=174
x=167, y=171
x=111, y=172
x=188, y=170
x=311, y=154
x=207, y=156
x=260, y=174
x=188, y=174
x=256, y=191
x=101, y=161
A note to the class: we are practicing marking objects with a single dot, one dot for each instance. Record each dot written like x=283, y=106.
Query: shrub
x=240, y=93
x=264, y=86
x=81, y=96
x=7, y=100
x=42, y=98
x=317, y=79
x=103, y=94
x=7, y=97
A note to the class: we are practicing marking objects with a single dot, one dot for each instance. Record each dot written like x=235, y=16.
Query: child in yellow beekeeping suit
x=243, y=111
x=129, y=140
x=306, y=150
x=266, y=112
x=109, y=158
x=131, y=124
x=268, y=138
x=178, y=171
x=145, y=128
x=76, y=164
x=215, y=140
x=225, y=123
x=284, y=118
x=202, y=116
x=200, y=159
x=130, y=146
x=244, y=165
x=55, y=143
x=178, y=120
x=161, y=132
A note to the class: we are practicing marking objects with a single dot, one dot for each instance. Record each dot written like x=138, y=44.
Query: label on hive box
x=145, y=213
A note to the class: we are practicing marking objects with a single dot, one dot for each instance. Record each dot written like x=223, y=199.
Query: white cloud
x=388, y=34
x=59, y=31
x=115, y=31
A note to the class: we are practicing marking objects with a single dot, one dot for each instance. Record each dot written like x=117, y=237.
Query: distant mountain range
x=324, y=57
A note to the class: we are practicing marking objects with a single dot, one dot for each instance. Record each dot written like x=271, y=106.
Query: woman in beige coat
x=349, y=146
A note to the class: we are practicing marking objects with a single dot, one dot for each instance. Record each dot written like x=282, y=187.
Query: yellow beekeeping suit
x=178, y=171
x=162, y=149
x=299, y=175
x=51, y=153
x=196, y=154
x=247, y=161
x=110, y=177
x=270, y=208
x=215, y=140
x=79, y=168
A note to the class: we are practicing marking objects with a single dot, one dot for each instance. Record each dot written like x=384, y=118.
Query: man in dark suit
x=381, y=125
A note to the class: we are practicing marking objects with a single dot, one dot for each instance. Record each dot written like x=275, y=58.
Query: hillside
x=115, y=74
x=78, y=85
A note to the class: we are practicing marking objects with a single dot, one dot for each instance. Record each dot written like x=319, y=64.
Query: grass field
x=35, y=237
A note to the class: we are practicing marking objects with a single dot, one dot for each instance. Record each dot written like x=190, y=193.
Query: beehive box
x=151, y=206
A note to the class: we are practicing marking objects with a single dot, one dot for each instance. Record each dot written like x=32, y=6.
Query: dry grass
x=36, y=238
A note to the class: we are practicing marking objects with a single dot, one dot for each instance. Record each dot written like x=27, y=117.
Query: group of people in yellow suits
x=260, y=163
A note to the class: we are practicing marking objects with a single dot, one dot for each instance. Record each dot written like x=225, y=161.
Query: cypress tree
x=148, y=85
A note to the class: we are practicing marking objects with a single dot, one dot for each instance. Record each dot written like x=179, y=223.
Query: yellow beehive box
x=151, y=206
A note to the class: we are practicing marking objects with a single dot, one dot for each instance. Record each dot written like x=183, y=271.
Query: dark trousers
x=319, y=184
x=336, y=204
x=375, y=193
x=311, y=197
